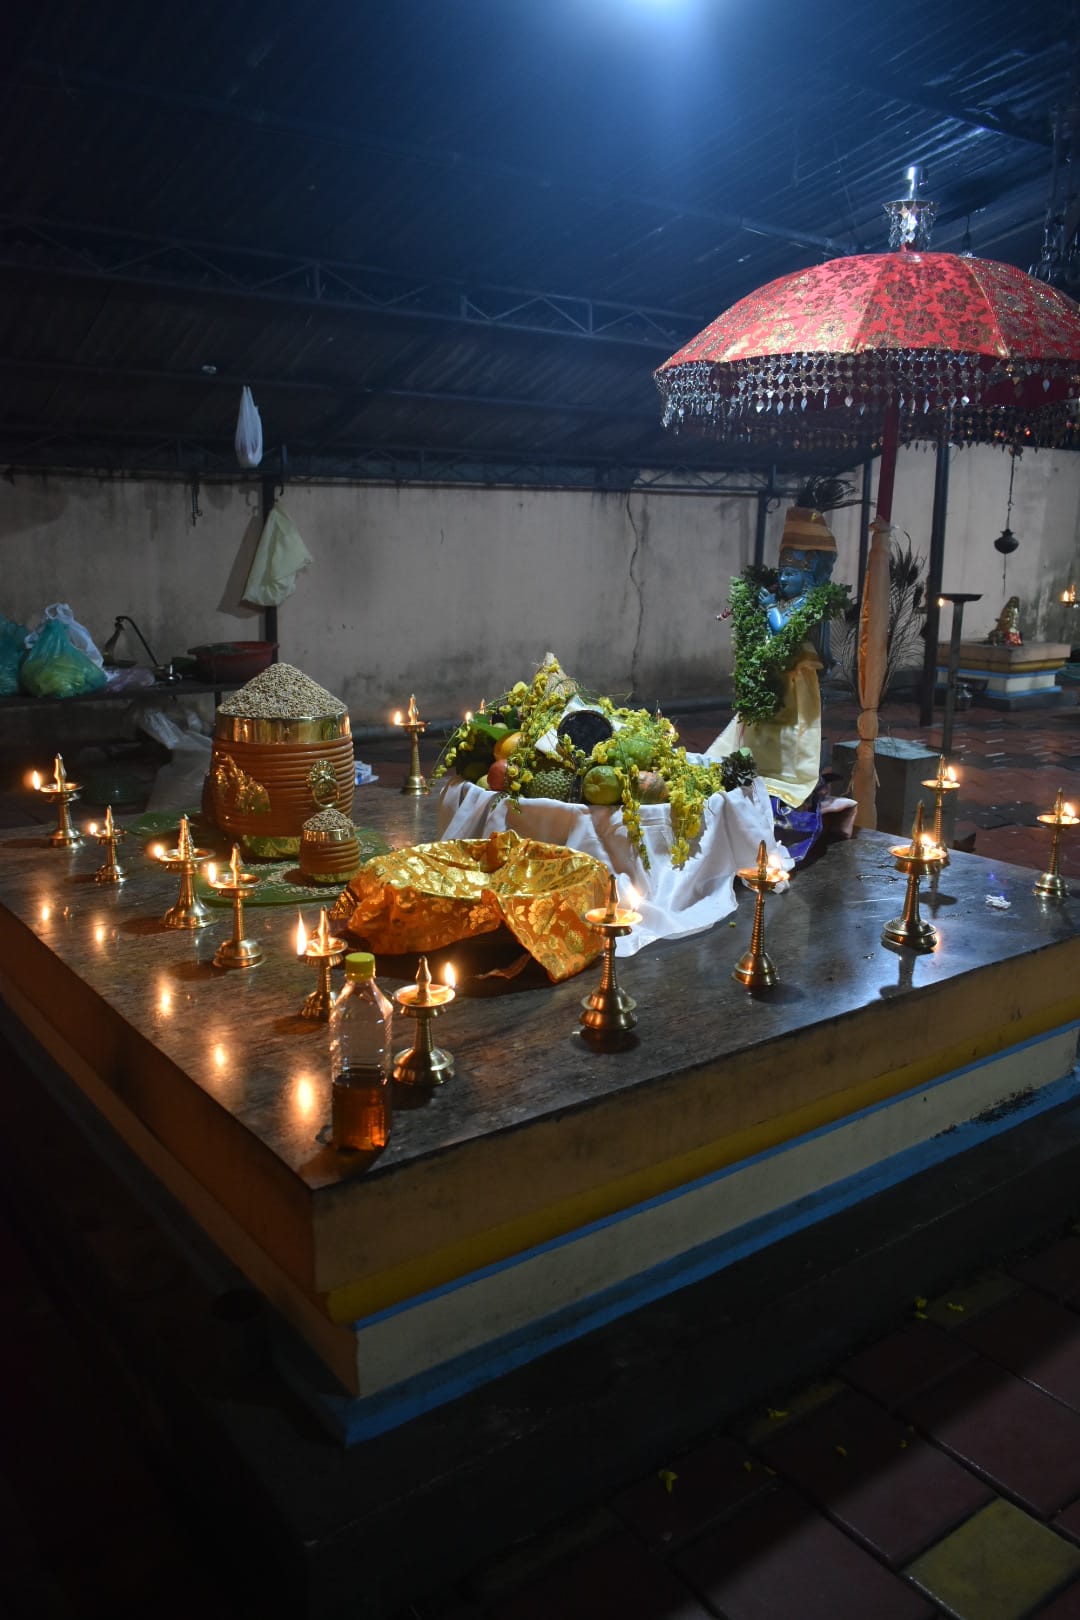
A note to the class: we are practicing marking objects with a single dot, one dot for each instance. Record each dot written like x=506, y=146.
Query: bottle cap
x=359, y=965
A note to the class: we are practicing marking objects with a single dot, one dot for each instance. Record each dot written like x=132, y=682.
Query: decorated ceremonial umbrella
x=866, y=352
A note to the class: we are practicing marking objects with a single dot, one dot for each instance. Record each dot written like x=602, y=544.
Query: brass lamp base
x=423, y=1067
x=755, y=970
x=319, y=1005
x=187, y=913
x=608, y=1010
x=1053, y=885
x=913, y=932
x=238, y=953
x=65, y=838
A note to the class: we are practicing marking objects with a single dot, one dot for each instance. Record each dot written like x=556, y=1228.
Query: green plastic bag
x=54, y=668
x=12, y=653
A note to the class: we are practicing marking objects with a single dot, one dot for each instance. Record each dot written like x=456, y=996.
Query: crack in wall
x=639, y=541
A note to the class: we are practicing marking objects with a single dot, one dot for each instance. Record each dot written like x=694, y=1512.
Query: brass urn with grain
x=282, y=751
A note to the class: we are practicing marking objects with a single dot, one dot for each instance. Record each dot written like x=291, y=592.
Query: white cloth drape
x=673, y=902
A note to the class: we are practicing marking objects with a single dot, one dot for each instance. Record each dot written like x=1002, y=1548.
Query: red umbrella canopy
x=928, y=332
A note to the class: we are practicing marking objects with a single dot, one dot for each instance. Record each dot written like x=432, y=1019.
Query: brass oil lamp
x=424, y=1064
x=609, y=1010
x=109, y=835
x=755, y=967
x=187, y=910
x=63, y=793
x=917, y=858
x=326, y=951
x=235, y=952
x=944, y=783
x=415, y=785
x=1051, y=883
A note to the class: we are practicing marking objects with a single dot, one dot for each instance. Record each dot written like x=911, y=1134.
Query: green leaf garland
x=761, y=658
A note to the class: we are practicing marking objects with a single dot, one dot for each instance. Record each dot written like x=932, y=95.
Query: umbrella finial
x=911, y=218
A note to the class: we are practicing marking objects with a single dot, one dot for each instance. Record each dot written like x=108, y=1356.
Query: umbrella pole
x=874, y=626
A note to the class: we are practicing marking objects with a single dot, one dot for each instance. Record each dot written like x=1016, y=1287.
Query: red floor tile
x=615, y=1578
x=1024, y=1442
x=904, y=1362
x=877, y=1478
x=1066, y=1606
x=1034, y=1338
x=779, y=1560
x=1068, y=1521
x=708, y=1483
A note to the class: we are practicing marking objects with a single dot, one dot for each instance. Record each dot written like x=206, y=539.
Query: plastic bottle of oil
x=361, y=1036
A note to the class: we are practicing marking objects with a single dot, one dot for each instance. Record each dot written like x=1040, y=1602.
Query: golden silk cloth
x=431, y=895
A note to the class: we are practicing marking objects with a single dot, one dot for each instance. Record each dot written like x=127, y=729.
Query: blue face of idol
x=799, y=570
x=795, y=573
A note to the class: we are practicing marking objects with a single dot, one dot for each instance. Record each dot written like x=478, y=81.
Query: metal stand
x=958, y=599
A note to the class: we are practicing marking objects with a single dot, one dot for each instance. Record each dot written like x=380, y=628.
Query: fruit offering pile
x=551, y=740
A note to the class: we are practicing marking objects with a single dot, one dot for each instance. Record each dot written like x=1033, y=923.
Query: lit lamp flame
x=36, y=779
x=950, y=774
x=211, y=872
x=468, y=716
x=632, y=898
x=157, y=851
x=449, y=976
x=398, y=717
x=1068, y=811
x=301, y=935
x=92, y=829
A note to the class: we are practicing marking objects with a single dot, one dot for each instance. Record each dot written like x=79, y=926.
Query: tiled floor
x=937, y=1473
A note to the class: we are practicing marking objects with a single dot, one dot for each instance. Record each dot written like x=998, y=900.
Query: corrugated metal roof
x=673, y=157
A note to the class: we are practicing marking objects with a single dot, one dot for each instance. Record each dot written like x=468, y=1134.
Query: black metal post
x=958, y=599
x=764, y=496
x=864, y=530
x=934, y=571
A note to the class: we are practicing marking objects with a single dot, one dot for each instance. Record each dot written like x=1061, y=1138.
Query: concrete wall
x=1045, y=520
x=454, y=593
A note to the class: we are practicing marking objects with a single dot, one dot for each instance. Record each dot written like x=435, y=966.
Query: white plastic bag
x=279, y=557
x=76, y=634
x=249, y=433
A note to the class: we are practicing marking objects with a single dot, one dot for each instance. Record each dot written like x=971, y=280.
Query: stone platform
x=549, y=1189
x=1023, y=677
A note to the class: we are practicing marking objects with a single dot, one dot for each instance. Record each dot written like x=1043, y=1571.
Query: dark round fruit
x=585, y=728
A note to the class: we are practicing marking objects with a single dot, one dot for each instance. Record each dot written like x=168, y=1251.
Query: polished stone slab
x=224, y=1091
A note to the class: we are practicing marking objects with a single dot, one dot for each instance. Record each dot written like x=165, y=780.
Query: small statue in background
x=1006, y=633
